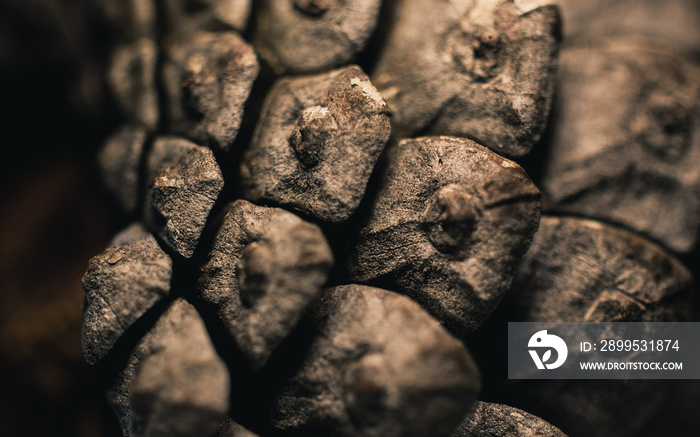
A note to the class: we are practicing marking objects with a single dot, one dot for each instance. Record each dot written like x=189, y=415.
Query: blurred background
x=53, y=216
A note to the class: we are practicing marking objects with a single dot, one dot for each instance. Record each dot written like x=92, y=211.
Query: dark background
x=53, y=217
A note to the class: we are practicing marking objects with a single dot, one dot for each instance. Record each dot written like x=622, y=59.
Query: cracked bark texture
x=579, y=270
x=496, y=420
x=174, y=383
x=481, y=69
x=121, y=284
x=309, y=36
x=447, y=227
x=264, y=269
x=316, y=144
x=634, y=163
x=207, y=79
x=185, y=187
x=378, y=366
x=118, y=161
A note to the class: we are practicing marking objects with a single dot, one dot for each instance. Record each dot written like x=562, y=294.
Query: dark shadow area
x=54, y=217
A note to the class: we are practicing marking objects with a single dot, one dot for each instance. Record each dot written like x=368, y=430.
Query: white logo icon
x=543, y=340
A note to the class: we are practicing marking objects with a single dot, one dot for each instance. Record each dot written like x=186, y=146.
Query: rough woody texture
x=119, y=161
x=190, y=13
x=635, y=163
x=132, y=80
x=316, y=144
x=174, y=383
x=443, y=221
x=264, y=269
x=583, y=271
x=496, y=420
x=121, y=284
x=378, y=366
x=163, y=152
x=184, y=190
x=447, y=227
x=208, y=78
x=481, y=69
x=305, y=36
